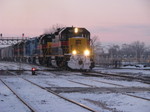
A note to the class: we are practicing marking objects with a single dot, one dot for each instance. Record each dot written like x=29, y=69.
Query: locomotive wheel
x=40, y=60
x=34, y=60
x=48, y=61
x=29, y=60
x=60, y=61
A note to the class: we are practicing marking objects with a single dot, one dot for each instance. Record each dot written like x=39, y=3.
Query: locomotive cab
x=76, y=40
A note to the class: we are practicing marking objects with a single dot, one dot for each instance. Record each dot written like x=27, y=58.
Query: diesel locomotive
x=68, y=47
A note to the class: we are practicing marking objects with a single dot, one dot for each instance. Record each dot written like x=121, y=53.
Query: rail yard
x=55, y=90
x=74, y=56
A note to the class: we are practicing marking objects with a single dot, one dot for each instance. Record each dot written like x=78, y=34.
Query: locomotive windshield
x=75, y=33
x=78, y=35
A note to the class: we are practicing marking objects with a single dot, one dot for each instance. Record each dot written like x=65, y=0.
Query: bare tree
x=113, y=51
x=129, y=53
x=95, y=43
x=98, y=49
x=126, y=51
x=147, y=54
x=94, y=39
x=138, y=48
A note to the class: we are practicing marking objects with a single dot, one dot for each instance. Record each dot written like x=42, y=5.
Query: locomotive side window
x=64, y=36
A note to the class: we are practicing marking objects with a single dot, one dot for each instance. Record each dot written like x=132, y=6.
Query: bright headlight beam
x=86, y=52
x=76, y=30
x=74, y=52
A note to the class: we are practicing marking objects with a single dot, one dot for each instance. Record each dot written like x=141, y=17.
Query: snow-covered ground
x=40, y=99
x=9, y=102
x=102, y=99
x=126, y=70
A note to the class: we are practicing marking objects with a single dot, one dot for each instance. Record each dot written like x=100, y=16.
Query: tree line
x=134, y=52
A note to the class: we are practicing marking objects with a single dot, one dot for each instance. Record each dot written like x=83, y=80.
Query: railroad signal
x=33, y=71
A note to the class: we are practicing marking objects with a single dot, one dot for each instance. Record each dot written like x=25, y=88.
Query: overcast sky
x=113, y=21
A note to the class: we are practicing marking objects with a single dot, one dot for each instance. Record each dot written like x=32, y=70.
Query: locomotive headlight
x=86, y=52
x=74, y=52
x=76, y=30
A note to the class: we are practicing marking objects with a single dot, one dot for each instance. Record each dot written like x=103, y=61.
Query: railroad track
x=112, y=90
x=72, y=101
x=88, y=85
x=62, y=97
x=129, y=77
x=136, y=68
x=19, y=97
x=30, y=70
x=117, y=75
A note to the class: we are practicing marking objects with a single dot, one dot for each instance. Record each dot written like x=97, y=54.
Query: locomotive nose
x=80, y=62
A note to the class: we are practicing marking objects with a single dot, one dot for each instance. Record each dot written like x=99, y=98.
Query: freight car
x=68, y=47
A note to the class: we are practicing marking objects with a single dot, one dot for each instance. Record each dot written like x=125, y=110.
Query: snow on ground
x=9, y=102
x=42, y=100
x=118, y=102
x=112, y=101
x=137, y=66
x=17, y=66
x=54, y=82
x=100, y=101
x=64, y=81
x=135, y=71
x=123, y=83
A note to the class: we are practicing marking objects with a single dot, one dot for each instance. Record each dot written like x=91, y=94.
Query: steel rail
x=72, y=101
x=113, y=90
x=121, y=86
x=97, y=86
x=81, y=83
x=98, y=74
x=19, y=97
x=29, y=70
